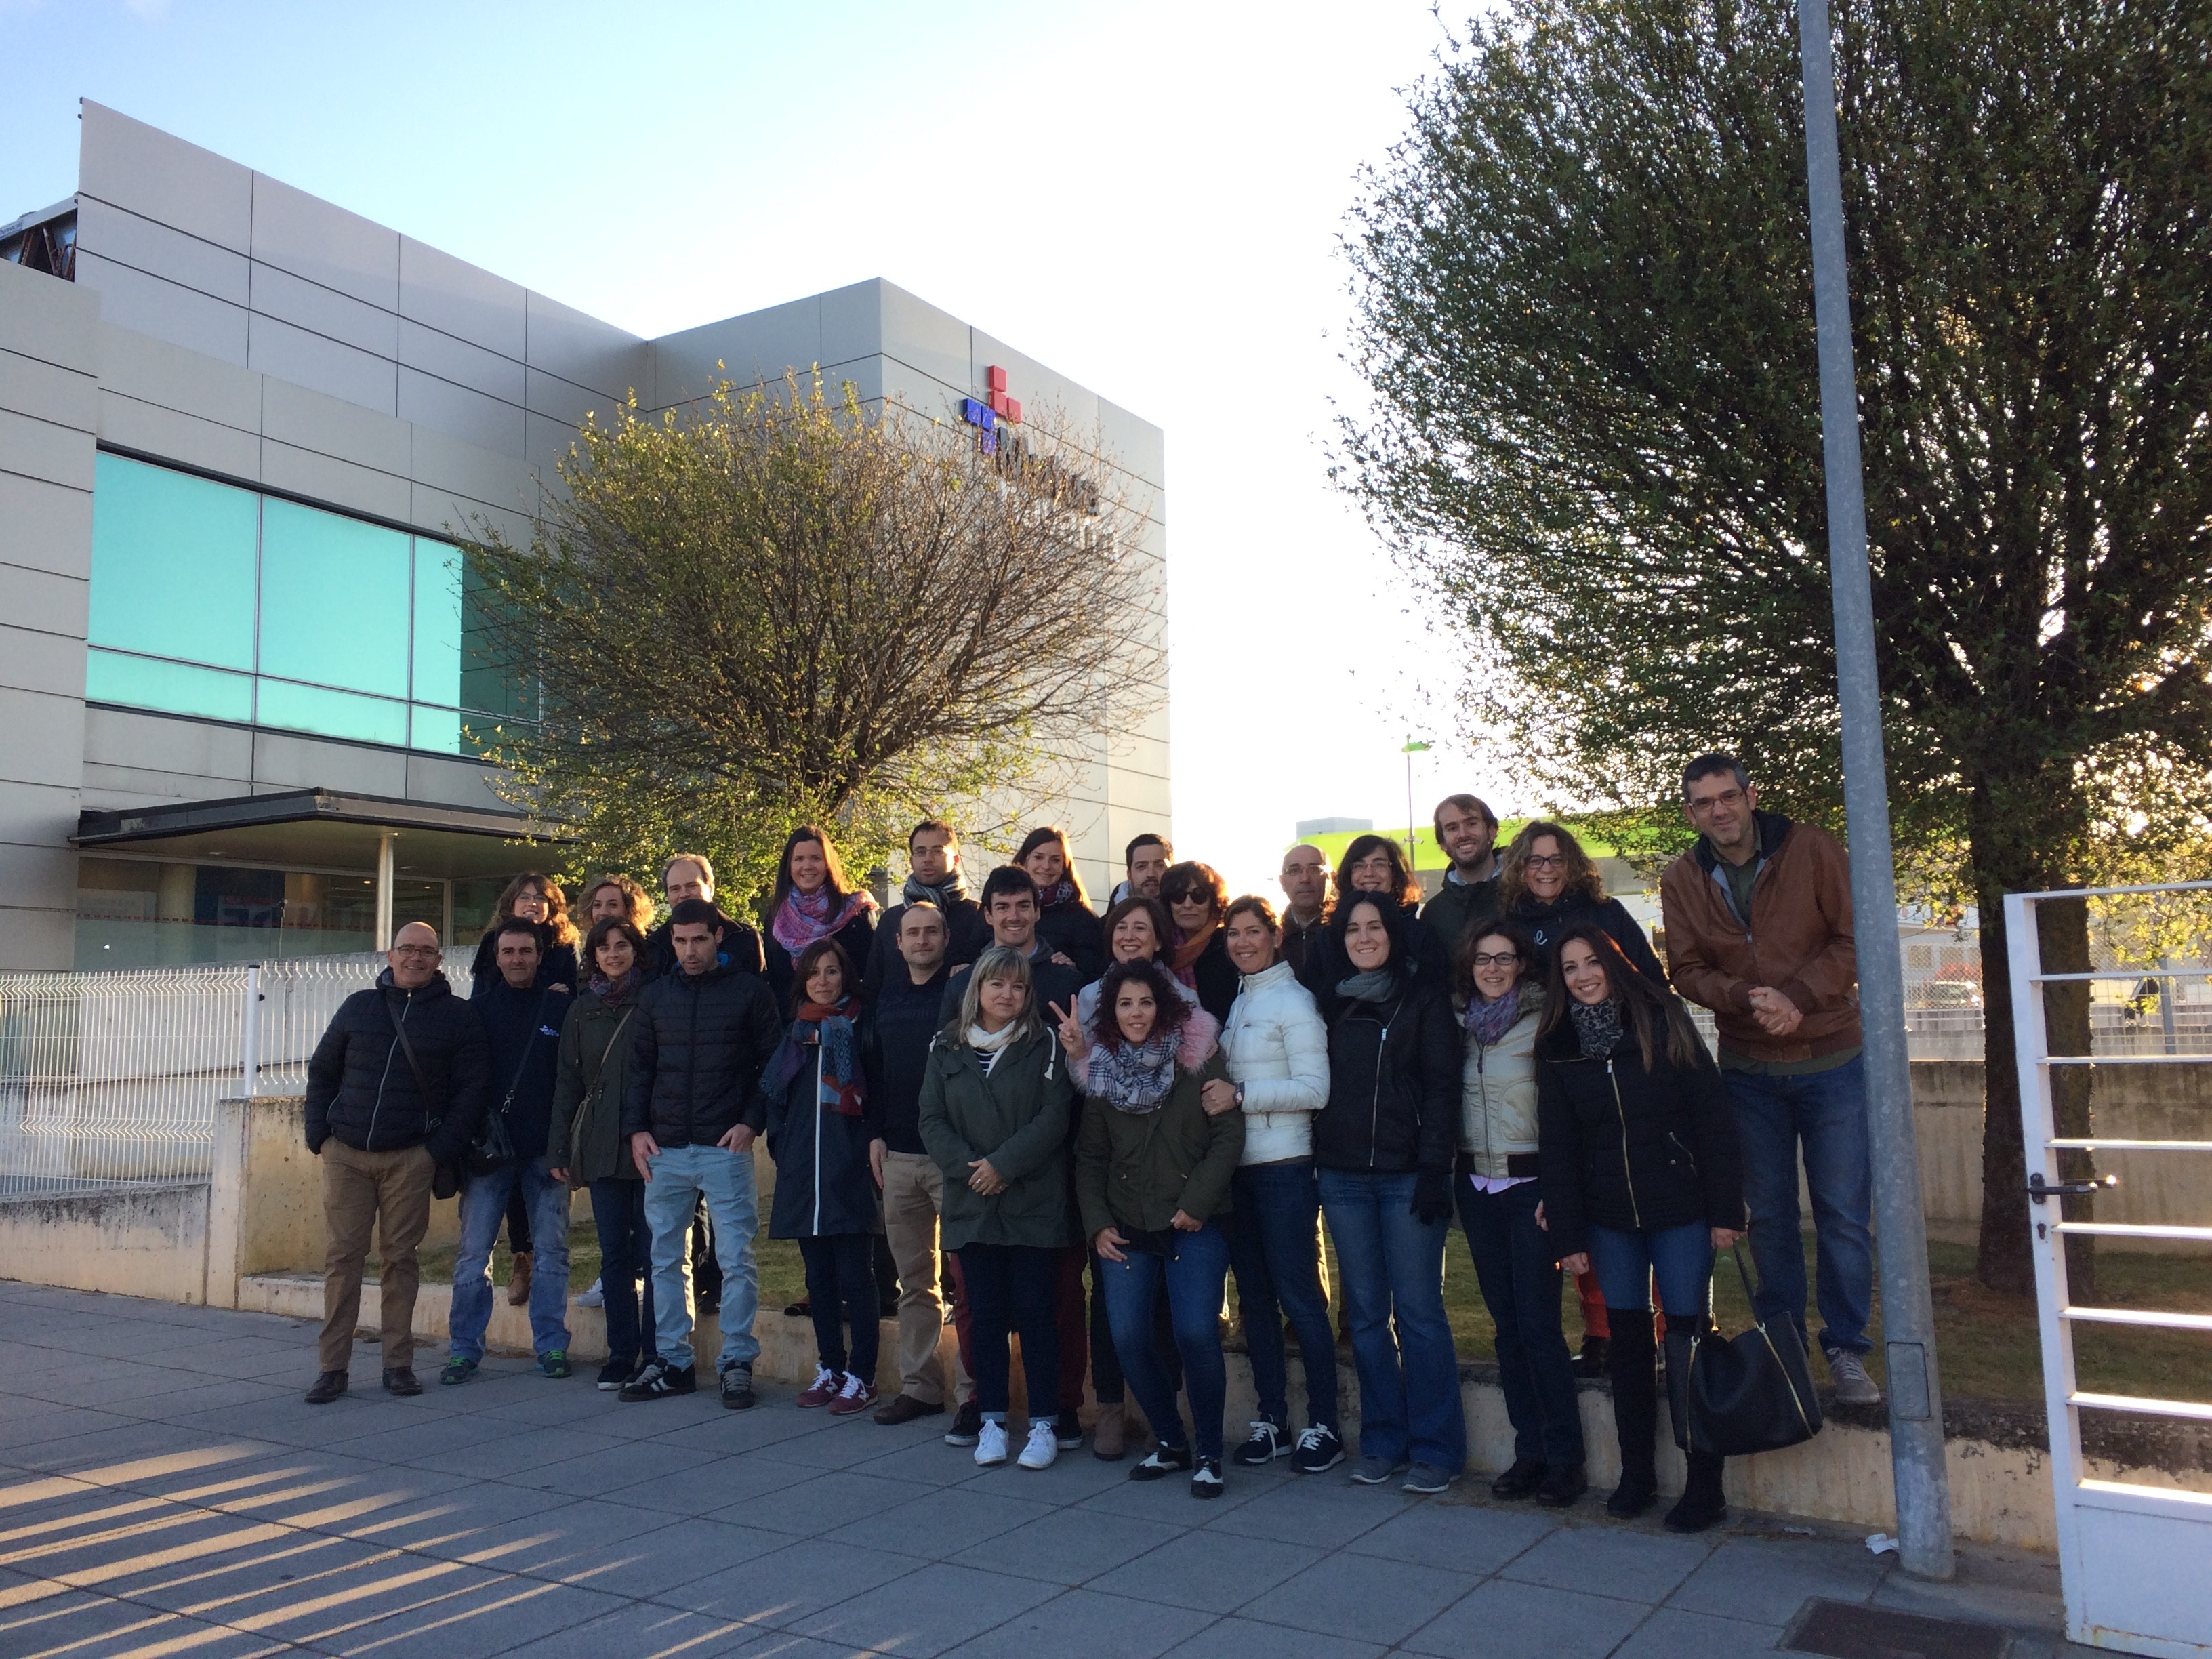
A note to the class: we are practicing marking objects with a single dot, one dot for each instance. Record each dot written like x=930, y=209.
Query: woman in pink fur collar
x=1153, y=1169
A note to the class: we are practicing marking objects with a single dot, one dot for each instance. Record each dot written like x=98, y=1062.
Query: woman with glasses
x=1500, y=1210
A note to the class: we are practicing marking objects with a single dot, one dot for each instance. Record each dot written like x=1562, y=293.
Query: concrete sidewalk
x=164, y=1489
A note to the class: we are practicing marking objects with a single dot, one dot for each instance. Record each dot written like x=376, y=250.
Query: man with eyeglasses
x=1759, y=930
x=395, y=1088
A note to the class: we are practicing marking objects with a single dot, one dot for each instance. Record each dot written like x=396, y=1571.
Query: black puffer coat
x=1394, y=1080
x=824, y=1183
x=1547, y=919
x=1075, y=930
x=741, y=950
x=695, y=1056
x=1631, y=1148
x=361, y=1088
x=1325, y=959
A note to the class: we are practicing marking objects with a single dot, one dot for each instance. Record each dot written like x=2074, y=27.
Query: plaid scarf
x=1136, y=1077
x=828, y=1027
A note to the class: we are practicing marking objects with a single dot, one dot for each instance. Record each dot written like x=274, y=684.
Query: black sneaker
x=1205, y=1478
x=658, y=1380
x=1266, y=1444
x=967, y=1426
x=738, y=1394
x=615, y=1373
x=1520, y=1482
x=1164, y=1461
x=1318, y=1450
x=1067, y=1431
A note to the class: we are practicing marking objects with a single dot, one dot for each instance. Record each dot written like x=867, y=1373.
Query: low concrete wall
x=2130, y=1103
x=2001, y=1491
x=147, y=1240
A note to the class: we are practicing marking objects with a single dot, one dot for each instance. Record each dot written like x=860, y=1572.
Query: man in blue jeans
x=690, y=1112
x=521, y=1013
x=1759, y=930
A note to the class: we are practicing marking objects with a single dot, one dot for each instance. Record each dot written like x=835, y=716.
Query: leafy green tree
x=1584, y=305
x=776, y=607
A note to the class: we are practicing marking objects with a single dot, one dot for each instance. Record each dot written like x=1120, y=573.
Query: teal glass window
x=173, y=564
x=438, y=579
x=334, y=600
x=333, y=713
x=148, y=683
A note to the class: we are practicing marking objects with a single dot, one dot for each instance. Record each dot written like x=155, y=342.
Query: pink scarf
x=801, y=919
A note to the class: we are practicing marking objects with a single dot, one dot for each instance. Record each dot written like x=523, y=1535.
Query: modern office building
x=241, y=431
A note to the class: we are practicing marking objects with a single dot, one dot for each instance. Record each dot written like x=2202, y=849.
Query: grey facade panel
x=205, y=760
x=924, y=337
x=564, y=342
x=151, y=429
x=1134, y=445
x=340, y=483
x=46, y=449
x=331, y=426
x=285, y=352
x=164, y=178
x=42, y=734
x=852, y=320
x=147, y=244
x=330, y=247
x=156, y=371
x=45, y=600
x=761, y=346
x=452, y=783
x=451, y=358
x=282, y=761
x=1045, y=396
x=49, y=524
x=169, y=311
x=324, y=311
x=498, y=477
x=567, y=401
x=460, y=299
x=29, y=385
x=441, y=406
x=34, y=660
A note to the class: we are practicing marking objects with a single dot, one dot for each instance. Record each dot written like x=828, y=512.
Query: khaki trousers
x=913, y=1191
x=390, y=1194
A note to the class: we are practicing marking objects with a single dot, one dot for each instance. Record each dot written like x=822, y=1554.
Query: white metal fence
x=111, y=1079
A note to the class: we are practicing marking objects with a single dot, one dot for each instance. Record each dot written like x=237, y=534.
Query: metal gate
x=2136, y=1560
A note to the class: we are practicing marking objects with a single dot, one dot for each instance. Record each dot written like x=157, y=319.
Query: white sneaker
x=1043, y=1449
x=593, y=1297
x=991, y=1445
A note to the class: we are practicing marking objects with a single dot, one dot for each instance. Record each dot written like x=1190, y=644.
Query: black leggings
x=517, y=1221
x=1012, y=1288
x=841, y=1291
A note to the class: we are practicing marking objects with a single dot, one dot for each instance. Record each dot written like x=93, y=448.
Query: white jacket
x=1277, y=1049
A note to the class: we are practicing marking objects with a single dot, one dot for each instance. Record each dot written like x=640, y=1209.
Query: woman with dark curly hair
x=1153, y=1169
x=1549, y=884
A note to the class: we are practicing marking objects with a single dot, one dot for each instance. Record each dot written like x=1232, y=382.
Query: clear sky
x=1146, y=195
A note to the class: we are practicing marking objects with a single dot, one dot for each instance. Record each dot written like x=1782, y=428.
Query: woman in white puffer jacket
x=1278, y=1052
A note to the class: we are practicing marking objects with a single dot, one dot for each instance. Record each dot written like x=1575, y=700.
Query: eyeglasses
x=1546, y=860
x=1495, y=958
x=414, y=949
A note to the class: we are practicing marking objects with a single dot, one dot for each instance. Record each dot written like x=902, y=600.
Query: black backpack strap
x=537, y=1018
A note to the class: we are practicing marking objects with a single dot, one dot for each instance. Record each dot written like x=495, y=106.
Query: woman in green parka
x=996, y=1104
x=1152, y=1168
x=593, y=1066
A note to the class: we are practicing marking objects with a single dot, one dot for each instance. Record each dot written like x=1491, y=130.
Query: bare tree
x=775, y=607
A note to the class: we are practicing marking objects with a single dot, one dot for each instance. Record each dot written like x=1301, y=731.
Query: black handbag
x=1751, y=1393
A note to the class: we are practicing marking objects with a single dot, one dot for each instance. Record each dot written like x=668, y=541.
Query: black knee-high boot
x=1635, y=1410
x=1703, y=1503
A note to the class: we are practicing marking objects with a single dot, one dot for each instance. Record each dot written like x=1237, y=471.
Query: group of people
x=1080, y=1131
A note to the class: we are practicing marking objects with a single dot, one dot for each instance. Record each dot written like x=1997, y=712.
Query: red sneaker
x=827, y=1383
x=855, y=1397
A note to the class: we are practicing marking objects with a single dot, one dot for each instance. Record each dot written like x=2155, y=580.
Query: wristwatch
x=1240, y=1096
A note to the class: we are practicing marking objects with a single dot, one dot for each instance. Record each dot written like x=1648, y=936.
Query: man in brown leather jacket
x=1759, y=930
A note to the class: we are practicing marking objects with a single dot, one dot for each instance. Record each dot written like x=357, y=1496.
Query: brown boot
x=517, y=1282
x=1110, y=1435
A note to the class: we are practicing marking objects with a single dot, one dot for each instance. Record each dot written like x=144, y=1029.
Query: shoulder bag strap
x=536, y=1015
x=601, y=1066
x=431, y=1112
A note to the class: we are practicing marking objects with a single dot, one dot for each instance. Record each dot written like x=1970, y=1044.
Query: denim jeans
x=1679, y=1259
x=1392, y=1268
x=625, y=1253
x=1010, y=1288
x=483, y=1212
x=681, y=1176
x=1275, y=1249
x=1194, y=1275
x=1519, y=1274
x=1827, y=1113
x=841, y=1291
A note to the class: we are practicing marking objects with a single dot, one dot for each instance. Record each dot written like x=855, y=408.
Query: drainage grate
x=1850, y=1629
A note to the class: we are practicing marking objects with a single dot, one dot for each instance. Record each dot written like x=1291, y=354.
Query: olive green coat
x=587, y=1090
x=1017, y=1117
x=1134, y=1171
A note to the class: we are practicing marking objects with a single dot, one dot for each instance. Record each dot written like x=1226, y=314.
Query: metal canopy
x=322, y=828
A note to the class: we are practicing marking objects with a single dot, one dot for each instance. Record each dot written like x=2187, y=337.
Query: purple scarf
x=1487, y=1020
x=801, y=919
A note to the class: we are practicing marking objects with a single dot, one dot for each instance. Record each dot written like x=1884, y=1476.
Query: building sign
x=993, y=411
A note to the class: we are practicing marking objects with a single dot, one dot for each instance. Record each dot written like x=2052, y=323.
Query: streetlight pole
x=1412, y=844
x=1916, y=1401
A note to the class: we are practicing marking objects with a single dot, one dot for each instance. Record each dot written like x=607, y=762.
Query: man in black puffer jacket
x=380, y=1140
x=690, y=1112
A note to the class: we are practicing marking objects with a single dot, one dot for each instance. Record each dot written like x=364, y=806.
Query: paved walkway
x=163, y=1490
